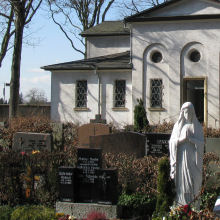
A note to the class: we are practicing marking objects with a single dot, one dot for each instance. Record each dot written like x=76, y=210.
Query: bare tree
x=17, y=13
x=75, y=16
x=36, y=96
x=6, y=25
x=131, y=7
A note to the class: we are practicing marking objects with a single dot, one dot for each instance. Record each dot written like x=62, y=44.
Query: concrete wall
x=100, y=46
x=175, y=40
x=63, y=97
x=26, y=110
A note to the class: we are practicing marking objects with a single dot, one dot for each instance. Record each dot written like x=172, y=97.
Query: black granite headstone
x=88, y=162
x=67, y=184
x=157, y=144
x=106, y=184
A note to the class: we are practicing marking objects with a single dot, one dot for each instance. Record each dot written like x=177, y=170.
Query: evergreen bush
x=5, y=212
x=137, y=204
x=165, y=188
x=33, y=212
x=140, y=116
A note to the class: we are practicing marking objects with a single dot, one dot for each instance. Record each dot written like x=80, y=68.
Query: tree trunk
x=16, y=62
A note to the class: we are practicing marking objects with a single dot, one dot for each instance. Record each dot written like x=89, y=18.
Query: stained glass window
x=156, y=93
x=81, y=93
x=119, y=93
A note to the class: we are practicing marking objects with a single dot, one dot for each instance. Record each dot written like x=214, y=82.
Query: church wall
x=175, y=38
x=63, y=97
x=118, y=116
x=101, y=46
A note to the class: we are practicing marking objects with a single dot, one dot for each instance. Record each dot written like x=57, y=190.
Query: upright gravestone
x=123, y=142
x=67, y=176
x=157, y=144
x=88, y=187
x=92, y=129
x=28, y=142
x=107, y=183
x=88, y=162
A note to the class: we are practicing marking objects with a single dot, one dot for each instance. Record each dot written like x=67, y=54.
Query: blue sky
x=50, y=47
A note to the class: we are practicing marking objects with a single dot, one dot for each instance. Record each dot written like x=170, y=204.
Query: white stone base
x=81, y=210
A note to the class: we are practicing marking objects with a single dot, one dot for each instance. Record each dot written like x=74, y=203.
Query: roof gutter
x=174, y=18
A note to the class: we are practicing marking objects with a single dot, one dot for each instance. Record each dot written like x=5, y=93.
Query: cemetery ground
x=30, y=179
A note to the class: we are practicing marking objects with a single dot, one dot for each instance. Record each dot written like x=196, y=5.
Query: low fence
x=26, y=110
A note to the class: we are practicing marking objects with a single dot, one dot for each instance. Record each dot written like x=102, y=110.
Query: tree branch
x=94, y=14
x=106, y=9
x=68, y=18
x=61, y=28
x=6, y=38
x=33, y=13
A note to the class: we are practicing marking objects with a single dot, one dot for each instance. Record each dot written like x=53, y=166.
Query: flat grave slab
x=81, y=210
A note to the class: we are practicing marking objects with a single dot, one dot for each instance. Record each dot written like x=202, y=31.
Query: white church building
x=165, y=55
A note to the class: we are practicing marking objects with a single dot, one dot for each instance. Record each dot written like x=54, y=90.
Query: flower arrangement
x=181, y=211
x=188, y=212
x=62, y=216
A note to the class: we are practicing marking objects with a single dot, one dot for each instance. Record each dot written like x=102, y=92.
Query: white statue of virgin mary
x=186, y=155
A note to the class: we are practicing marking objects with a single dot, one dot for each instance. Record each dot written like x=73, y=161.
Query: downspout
x=125, y=26
x=99, y=88
x=99, y=91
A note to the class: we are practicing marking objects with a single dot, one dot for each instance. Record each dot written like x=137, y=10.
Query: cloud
x=41, y=79
x=38, y=79
x=36, y=70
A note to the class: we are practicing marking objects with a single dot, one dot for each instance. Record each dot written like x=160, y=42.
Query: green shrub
x=137, y=204
x=140, y=116
x=33, y=213
x=5, y=212
x=165, y=188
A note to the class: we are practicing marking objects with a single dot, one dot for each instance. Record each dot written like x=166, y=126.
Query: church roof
x=147, y=15
x=107, y=28
x=113, y=61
